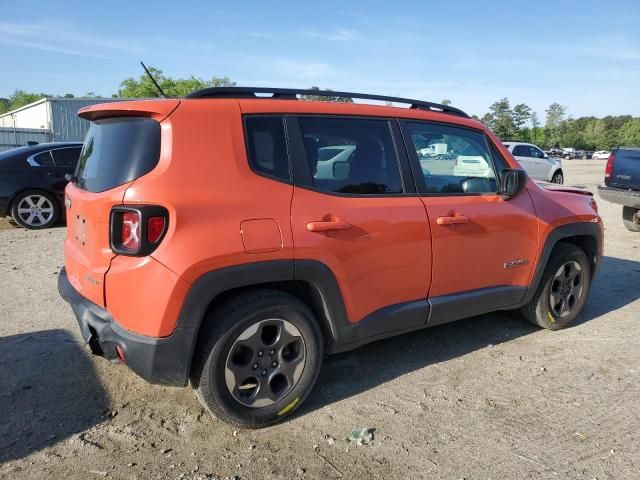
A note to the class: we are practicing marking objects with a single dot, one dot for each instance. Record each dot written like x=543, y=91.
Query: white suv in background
x=536, y=163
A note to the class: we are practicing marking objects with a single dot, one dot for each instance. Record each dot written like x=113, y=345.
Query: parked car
x=601, y=155
x=204, y=247
x=622, y=184
x=32, y=182
x=536, y=163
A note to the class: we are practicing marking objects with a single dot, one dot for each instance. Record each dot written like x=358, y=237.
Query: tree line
x=519, y=122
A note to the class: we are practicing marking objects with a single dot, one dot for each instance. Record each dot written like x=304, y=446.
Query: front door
x=484, y=246
x=352, y=213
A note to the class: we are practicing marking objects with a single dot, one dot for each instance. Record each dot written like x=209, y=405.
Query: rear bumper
x=163, y=361
x=628, y=198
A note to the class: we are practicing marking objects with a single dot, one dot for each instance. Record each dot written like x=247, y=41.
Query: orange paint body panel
x=261, y=235
x=141, y=294
x=382, y=259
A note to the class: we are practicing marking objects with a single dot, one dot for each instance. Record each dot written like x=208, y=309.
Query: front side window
x=267, y=147
x=453, y=160
x=351, y=156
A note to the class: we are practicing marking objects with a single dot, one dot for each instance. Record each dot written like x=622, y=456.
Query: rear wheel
x=563, y=289
x=631, y=218
x=35, y=209
x=258, y=358
x=558, y=178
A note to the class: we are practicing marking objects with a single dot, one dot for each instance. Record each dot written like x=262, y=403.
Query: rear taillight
x=137, y=230
x=608, y=170
x=131, y=231
x=155, y=229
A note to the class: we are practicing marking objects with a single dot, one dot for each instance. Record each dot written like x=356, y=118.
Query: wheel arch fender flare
x=587, y=235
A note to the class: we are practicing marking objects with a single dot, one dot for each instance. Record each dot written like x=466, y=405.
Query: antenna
x=162, y=94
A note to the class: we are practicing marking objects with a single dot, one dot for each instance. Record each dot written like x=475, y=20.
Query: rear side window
x=267, y=147
x=353, y=156
x=454, y=161
x=66, y=157
x=117, y=151
x=43, y=159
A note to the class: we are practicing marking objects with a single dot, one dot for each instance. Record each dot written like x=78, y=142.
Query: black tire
x=540, y=310
x=221, y=331
x=558, y=177
x=631, y=218
x=42, y=216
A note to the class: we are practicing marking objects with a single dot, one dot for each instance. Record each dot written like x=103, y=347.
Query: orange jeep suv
x=232, y=238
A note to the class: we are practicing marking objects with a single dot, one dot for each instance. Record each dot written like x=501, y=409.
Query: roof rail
x=292, y=93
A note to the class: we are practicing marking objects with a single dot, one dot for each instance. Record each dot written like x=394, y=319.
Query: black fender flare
x=562, y=233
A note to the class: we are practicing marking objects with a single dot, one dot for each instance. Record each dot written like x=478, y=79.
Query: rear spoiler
x=156, y=109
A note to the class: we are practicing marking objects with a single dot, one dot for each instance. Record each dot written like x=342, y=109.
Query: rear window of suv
x=117, y=151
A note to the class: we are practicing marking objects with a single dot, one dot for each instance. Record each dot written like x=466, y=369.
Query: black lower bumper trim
x=163, y=361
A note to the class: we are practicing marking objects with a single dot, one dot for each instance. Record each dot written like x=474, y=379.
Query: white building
x=47, y=120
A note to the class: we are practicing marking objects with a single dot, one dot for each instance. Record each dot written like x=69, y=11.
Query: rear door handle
x=452, y=220
x=325, y=226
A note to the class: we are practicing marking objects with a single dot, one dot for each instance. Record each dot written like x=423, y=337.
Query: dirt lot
x=488, y=397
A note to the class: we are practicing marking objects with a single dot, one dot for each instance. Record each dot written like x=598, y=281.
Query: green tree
x=629, y=134
x=143, y=87
x=521, y=116
x=535, y=127
x=20, y=98
x=446, y=101
x=4, y=105
x=323, y=98
x=554, y=124
x=500, y=119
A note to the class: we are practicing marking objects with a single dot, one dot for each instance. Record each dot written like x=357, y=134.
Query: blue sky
x=582, y=54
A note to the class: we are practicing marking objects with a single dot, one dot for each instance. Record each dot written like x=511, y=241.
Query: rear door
x=115, y=153
x=484, y=246
x=361, y=217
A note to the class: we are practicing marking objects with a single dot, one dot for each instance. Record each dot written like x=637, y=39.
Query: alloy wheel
x=265, y=362
x=35, y=210
x=567, y=287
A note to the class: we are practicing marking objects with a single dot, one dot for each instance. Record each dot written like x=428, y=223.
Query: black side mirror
x=513, y=182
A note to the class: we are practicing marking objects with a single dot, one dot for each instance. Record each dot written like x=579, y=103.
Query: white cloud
x=338, y=35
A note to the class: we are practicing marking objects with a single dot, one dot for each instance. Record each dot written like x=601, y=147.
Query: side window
x=536, y=152
x=43, y=160
x=355, y=156
x=66, y=157
x=267, y=147
x=521, y=151
x=455, y=160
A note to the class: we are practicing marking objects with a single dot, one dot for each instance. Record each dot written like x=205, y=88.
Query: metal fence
x=17, y=137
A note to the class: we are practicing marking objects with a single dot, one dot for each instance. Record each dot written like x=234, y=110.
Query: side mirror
x=341, y=170
x=513, y=182
x=546, y=156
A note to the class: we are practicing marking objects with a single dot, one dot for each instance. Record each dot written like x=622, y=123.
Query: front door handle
x=452, y=220
x=325, y=226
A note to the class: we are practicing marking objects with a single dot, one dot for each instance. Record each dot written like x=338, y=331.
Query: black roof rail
x=292, y=93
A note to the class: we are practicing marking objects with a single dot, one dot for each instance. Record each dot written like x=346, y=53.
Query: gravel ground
x=488, y=397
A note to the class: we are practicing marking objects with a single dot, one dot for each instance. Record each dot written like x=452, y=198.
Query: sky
x=582, y=54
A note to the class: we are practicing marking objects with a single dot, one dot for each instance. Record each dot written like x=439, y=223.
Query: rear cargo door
x=626, y=170
x=115, y=153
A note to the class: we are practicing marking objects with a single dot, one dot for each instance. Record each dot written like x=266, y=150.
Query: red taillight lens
x=155, y=229
x=609, y=168
x=131, y=231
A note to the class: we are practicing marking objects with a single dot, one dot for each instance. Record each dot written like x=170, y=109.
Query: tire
x=558, y=177
x=228, y=350
x=540, y=310
x=35, y=209
x=631, y=218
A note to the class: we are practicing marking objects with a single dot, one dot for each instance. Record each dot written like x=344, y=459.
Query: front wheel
x=258, y=358
x=558, y=178
x=563, y=289
x=35, y=209
x=631, y=218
